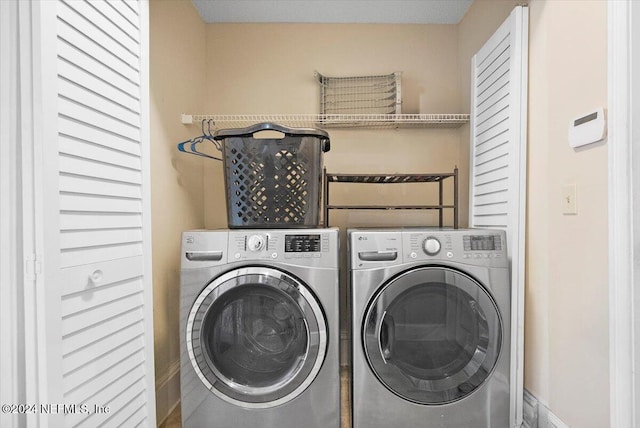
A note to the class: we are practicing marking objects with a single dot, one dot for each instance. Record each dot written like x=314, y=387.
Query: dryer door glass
x=432, y=335
x=257, y=337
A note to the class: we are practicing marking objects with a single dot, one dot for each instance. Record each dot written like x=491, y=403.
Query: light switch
x=569, y=203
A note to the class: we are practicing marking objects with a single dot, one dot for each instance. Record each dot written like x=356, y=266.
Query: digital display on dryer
x=482, y=243
x=302, y=243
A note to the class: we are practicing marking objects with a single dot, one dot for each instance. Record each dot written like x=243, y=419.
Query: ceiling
x=334, y=11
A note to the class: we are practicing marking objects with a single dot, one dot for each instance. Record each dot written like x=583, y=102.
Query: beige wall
x=567, y=328
x=177, y=79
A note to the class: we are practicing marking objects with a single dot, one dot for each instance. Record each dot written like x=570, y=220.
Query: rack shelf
x=382, y=121
x=395, y=179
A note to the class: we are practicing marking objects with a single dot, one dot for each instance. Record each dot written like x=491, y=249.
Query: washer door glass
x=432, y=335
x=256, y=337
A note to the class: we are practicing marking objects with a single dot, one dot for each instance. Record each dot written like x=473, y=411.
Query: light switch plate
x=569, y=202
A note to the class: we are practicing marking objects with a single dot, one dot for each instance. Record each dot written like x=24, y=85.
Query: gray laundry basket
x=273, y=182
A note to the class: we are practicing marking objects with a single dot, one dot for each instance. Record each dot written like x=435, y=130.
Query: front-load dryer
x=259, y=325
x=430, y=328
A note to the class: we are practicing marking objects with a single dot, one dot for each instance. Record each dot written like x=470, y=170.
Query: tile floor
x=174, y=420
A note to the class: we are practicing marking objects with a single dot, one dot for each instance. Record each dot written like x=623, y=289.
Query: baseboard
x=555, y=422
x=167, y=392
x=536, y=414
x=529, y=411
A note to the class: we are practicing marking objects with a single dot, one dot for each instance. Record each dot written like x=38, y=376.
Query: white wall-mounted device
x=588, y=128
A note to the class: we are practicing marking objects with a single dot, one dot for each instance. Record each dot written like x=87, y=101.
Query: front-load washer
x=259, y=329
x=430, y=328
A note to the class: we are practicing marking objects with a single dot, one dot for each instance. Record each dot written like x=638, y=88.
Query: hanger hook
x=202, y=127
x=209, y=126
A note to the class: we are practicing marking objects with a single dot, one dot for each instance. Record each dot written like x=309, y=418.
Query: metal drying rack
x=394, y=179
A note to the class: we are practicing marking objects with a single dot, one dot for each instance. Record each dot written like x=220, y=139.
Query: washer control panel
x=308, y=247
x=287, y=245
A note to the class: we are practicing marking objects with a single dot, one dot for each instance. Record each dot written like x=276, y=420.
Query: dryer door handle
x=204, y=256
x=378, y=256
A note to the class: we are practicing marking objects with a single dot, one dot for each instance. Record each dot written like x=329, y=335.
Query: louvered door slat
x=128, y=12
x=117, y=19
x=97, y=135
x=84, y=149
x=136, y=418
x=89, y=374
x=491, y=164
x=498, y=161
x=97, y=119
x=74, y=62
x=89, y=220
x=73, y=91
x=124, y=416
x=496, y=147
x=496, y=100
x=125, y=367
x=83, y=42
x=94, y=315
x=75, y=184
x=133, y=6
x=99, y=347
x=106, y=28
x=80, y=339
x=486, y=61
x=74, y=14
x=70, y=72
x=117, y=396
x=97, y=169
x=95, y=203
x=88, y=255
x=494, y=66
x=491, y=187
x=126, y=402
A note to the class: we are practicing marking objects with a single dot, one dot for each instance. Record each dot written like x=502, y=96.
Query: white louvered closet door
x=96, y=212
x=498, y=160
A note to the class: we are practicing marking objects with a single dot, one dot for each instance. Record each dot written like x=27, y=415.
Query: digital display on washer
x=482, y=243
x=302, y=243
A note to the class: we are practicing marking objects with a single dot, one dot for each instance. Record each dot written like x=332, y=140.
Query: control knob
x=255, y=243
x=431, y=246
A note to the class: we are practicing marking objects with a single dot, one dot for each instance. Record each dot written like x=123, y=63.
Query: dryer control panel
x=371, y=248
x=471, y=246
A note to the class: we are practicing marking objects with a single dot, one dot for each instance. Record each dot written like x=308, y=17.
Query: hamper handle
x=268, y=126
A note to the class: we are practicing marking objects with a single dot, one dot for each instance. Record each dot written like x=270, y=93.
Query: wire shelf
x=388, y=178
x=379, y=94
x=388, y=121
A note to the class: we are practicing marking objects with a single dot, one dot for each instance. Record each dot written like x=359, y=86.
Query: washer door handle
x=386, y=336
x=203, y=256
x=378, y=256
